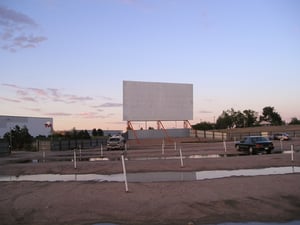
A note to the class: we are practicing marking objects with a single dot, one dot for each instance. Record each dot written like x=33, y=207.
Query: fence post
x=44, y=155
x=74, y=159
x=292, y=153
x=225, y=147
x=181, y=159
x=124, y=172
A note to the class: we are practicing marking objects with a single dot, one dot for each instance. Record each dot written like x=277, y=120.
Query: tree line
x=19, y=138
x=77, y=134
x=246, y=118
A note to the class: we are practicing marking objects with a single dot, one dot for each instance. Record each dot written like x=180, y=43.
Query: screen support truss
x=186, y=124
x=129, y=125
x=161, y=126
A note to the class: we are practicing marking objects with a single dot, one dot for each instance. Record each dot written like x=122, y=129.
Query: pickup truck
x=115, y=142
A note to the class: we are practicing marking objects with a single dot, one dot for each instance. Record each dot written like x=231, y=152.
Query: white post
x=175, y=147
x=292, y=153
x=44, y=156
x=101, y=150
x=163, y=147
x=75, y=166
x=124, y=172
x=181, y=160
x=80, y=152
x=225, y=147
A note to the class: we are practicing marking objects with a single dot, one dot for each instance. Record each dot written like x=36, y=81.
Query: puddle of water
x=161, y=176
x=154, y=176
x=202, y=175
x=98, y=159
x=65, y=177
x=203, y=156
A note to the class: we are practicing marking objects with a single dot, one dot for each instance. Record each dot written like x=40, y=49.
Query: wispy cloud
x=106, y=98
x=205, y=112
x=35, y=97
x=58, y=114
x=75, y=98
x=10, y=16
x=28, y=99
x=17, y=30
x=9, y=100
x=90, y=115
x=9, y=85
x=82, y=115
x=38, y=91
x=34, y=94
x=34, y=109
x=110, y=105
x=208, y=99
x=54, y=92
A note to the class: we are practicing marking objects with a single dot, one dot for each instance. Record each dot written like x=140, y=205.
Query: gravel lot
x=259, y=198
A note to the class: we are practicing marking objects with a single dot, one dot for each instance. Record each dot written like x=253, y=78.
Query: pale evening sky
x=67, y=59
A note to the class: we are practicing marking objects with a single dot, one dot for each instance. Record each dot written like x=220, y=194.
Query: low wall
x=154, y=134
x=4, y=148
x=61, y=145
x=214, y=135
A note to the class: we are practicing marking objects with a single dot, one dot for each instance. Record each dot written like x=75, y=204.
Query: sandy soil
x=260, y=198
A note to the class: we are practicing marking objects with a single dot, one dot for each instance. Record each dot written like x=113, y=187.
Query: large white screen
x=152, y=101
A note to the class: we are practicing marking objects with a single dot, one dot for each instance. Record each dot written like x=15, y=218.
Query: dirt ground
x=236, y=199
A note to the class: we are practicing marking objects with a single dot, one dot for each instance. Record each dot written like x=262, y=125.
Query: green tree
x=83, y=134
x=231, y=118
x=100, y=132
x=94, y=132
x=203, y=126
x=225, y=120
x=250, y=118
x=238, y=119
x=294, y=121
x=19, y=138
x=97, y=132
x=270, y=115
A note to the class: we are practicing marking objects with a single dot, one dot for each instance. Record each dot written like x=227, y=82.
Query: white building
x=36, y=125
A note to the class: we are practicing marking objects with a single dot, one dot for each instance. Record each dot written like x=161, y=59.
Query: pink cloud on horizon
x=28, y=99
x=9, y=100
x=38, y=91
x=58, y=114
